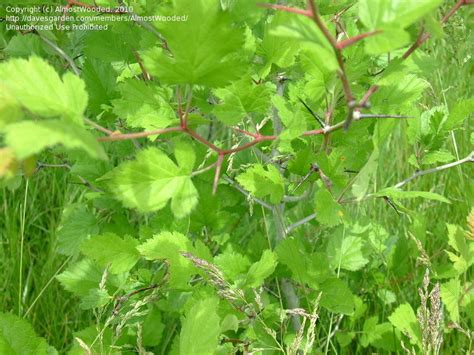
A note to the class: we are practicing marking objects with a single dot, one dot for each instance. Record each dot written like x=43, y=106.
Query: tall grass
x=28, y=258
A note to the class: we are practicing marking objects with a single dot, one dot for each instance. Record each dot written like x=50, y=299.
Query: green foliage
x=392, y=18
x=27, y=138
x=18, y=337
x=153, y=179
x=263, y=181
x=38, y=88
x=404, y=319
x=242, y=98
x=143, y=106
x=346, y=252
x=202, y=49
x=200, y=193
x=120, y=255
x=200, y=330
x=169, y=246
x=260, y=270
x=329, y=212
x=77, y=224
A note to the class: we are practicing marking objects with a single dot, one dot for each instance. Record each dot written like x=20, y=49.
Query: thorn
x=220, y=160
x=349, y=118
x=320, y=121
x=366, y=115
x=391, y=204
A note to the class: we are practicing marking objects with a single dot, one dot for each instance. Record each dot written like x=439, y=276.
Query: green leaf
x=89, y=336
x=38, y=87
x=460, y=113
x=95, y=299
x=203, y=50
x=242, y=98
x=168, y=246
x=404, y=319
x=232, y=264
x=110, y=250
x=80, y=277
x=10, y=108
x=230, y=322
x=439, y=156
x=365, y=176
x=77, y=224
x=292, y=119
x=27, y=138
x=450, y=294
x=345, y=251
x=399, y=88
x=200, y=329
x=100, y=79
x=395, y=194
x=263, y=181
x=328, y=211
x=152, y=179
x=84, y=275
x=153, y=328
x=24, y=45
x=17, y=337
x=108, y=46
x=302, y=29
x=465, y=249
x=391, y=17
x=262, y=269
x=336, y=296
x=380, y=336
x=291, y=253
x=275, y=50
x=386, y=296
x=401, y=13
x=144, y=105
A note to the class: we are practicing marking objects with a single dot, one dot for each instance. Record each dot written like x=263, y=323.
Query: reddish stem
x=180, y=108
x=122, y=137
x=201, y=139
x=367, y=95
x=247, y=133
x=350, y=41
x=424, y=36
x=249, y=144
x=286, y=9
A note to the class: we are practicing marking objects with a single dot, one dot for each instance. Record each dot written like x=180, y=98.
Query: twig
x=146, y=75
x=68, y=167
x=203, y=170
x=340, y=60
x=63, y=54
x=122, y=299
x=98, y=127
x=424, y=36
x=121, y=137
x=188, y=107
x=297, y=198
x=247, y=194
x=257, y=137
x=295, y=225
x=468, y=159
x=365, y=100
